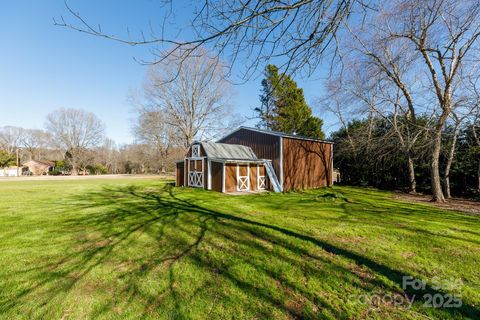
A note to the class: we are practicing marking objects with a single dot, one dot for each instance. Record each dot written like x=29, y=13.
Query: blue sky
x=44, y=67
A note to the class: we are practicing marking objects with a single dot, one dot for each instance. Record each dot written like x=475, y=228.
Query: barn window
x=196, y=150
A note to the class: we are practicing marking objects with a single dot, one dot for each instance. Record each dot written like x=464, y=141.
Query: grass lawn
x=139, y=248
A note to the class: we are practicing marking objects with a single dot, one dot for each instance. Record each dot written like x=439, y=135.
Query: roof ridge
x=279, y=133
x=228, y=150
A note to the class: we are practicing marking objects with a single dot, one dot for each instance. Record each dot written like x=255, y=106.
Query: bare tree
x=252, y=32
x=152, y=127
x=75, y=131
x=445, y=33
x=191, y=99
x=366, y=89
x=387, y=72
x=33, y=141
x=407, y=40
x=10, y=138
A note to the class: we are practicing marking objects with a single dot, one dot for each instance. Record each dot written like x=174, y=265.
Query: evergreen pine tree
x=283, y=106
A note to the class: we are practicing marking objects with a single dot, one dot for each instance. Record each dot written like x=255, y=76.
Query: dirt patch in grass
x=462, y=205
x=295, y=303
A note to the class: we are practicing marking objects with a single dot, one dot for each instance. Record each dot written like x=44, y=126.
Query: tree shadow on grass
x=166, y=253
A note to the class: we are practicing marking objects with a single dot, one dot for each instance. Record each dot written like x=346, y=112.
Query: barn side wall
x=306, y=164
x=185, y=173
x=180, y=174
x=264, y=145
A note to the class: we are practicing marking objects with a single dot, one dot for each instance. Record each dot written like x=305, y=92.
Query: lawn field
x=140, y=249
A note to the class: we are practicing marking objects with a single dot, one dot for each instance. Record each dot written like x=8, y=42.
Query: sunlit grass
x=143, y=249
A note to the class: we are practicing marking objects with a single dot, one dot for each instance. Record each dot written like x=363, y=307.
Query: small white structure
x=11, y=171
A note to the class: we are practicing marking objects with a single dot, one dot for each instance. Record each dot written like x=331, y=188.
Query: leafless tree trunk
x=450, y=156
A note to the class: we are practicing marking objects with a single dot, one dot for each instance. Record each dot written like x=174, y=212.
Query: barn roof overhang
x=215, y=150
x=258, y=161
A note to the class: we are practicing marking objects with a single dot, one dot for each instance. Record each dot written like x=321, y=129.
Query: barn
x=254, y=160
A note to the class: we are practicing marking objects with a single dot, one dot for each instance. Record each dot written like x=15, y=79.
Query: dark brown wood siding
x=265, y=146
x=306, y=164
x=180, y=174
x=217, y=176
x=185, y=173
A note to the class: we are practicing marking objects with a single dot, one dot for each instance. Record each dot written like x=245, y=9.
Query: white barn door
x=195, y=172
x=243, y=177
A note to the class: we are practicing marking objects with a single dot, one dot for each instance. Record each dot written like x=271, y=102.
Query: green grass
x=141, y=249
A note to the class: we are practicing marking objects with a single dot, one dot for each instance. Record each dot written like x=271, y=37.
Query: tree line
x=102, y=157
x=367, y=153
x=406, y=94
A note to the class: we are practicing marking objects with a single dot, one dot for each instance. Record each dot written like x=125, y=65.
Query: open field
x=88, y=177
x=140, y=248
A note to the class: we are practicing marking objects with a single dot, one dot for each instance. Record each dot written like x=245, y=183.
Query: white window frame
x=223, y=177
x=209, y=175
x=196, y=151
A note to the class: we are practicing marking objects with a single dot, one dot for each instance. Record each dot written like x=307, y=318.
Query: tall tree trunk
x=446, y=187
x=451, y=155
x=434, y=167
x=478, y=178
x=412, y=182
x=74, y=171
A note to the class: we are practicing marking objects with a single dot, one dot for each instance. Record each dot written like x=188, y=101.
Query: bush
x=97, y=169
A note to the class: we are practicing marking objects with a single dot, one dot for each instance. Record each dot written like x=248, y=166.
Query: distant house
x=11, y=171
x=250, y=159
x=38, y=168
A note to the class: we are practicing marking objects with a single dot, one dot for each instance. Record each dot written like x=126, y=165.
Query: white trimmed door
x=243, y=177
x=195, y=172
